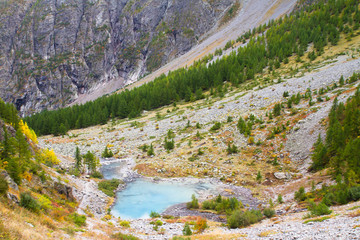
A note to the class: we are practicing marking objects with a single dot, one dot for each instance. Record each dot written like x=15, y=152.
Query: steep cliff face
x=53, y=50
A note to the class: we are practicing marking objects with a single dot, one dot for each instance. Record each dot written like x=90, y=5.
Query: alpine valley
x=175, y=119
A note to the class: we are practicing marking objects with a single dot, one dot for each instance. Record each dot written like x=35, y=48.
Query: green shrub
x=157, y=222
x=107, y=153
x=187, y=231
x=44, y=202
x=109, y=186
x=269, y=212
x=329, y=199
x=280, y=199
x=97, y=174
x=194, y=202
x=354, y=193
x=125, y=224
x=154, y=214
x=150, y=151
x=144, y=147
x=232, y=149
x=28, y=202
x=121, y=236
x=300, y=195
x=42, y=176
x=4, y=186
x=180, y=238
x=222, y=204
x=216, y=126
x=240, y=218
x=169, y=145
x=208, y=205
x=79, y=220
x=258, y=177
x=319, y=209
x=277, y=109
x=342, y=195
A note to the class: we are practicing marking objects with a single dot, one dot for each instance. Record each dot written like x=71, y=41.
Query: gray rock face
x=53, y=50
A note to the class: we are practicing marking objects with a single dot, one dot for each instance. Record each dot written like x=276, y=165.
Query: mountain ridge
x=52, y=51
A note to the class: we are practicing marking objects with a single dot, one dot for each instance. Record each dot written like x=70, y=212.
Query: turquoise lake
x=141, y=197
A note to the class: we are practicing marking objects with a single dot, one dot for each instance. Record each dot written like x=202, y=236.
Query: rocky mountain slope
x=52, y=51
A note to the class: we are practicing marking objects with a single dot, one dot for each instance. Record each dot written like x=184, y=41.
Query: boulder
x=282, y=175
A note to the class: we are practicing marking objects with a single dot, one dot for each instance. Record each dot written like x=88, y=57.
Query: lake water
x=142, y=196
x=111, y=168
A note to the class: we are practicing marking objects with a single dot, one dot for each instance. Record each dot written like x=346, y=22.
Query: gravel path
x=89, y=196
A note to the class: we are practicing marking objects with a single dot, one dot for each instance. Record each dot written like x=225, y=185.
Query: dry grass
x=16, y=223
x=267, y=233
x=355, y=213
x=216, y=236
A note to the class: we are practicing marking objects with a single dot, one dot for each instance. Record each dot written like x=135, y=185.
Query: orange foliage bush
x=200, y=225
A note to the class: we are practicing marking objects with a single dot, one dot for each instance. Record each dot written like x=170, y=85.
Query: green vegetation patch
x=122, y=236
x=109, y=186
x=231, y=13
x=321, y=219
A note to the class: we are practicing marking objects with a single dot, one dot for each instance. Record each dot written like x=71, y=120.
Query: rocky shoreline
x=216, y=187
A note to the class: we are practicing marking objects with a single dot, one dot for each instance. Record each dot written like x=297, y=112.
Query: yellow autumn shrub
x=48, y=157
x=28, y=132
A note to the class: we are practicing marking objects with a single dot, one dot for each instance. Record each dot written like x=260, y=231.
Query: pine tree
x=107, y=153
x=7, y=148
x=259, y=177
x=319, y=156
x=78, y=160
x=91, y=161
x=187, y=231
x=62, y=129
x=22, y=150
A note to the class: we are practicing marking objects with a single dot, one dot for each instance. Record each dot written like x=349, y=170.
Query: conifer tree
x=91, y=161
x=78, y=160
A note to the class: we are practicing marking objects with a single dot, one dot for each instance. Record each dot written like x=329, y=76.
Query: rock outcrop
x=64, y=190
x=53, y=50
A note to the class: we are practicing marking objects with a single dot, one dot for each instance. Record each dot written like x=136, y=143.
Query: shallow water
x=112, y=168
x=142, y=196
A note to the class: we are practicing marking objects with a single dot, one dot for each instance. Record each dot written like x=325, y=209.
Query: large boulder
x=283, y=175
x=65, y=190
